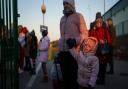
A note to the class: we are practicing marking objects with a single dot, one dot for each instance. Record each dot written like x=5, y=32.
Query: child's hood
x=94, y=48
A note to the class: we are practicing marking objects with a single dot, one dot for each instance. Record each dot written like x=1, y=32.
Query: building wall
x=120, y=20
x=119, y=13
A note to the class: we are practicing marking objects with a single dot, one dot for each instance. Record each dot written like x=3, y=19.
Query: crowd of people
x=83, y=54
x=28, y=44
x=30, y=50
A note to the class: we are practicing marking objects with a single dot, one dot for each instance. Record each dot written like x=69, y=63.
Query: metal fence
x=8, y=45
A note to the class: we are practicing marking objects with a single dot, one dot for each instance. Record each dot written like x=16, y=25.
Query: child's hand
x=101, y=41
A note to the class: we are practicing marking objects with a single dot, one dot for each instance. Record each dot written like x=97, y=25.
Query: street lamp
x=43, y=9
x=104, y=6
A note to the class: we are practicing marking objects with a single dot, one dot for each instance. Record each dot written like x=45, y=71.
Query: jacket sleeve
x=74, y=53
x=82, y=29
x=44, y=45
x=95, y=70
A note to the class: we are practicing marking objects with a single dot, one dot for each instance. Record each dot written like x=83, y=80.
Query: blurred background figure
x=33, y=50
x=112, y=31
x=27, y=62
x=22, y=43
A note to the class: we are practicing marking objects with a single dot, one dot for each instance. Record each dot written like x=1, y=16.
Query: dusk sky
x=32, y=17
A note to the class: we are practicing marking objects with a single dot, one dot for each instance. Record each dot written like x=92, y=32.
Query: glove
x=71, y=43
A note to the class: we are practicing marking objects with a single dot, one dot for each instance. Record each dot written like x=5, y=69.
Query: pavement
x=119, y=80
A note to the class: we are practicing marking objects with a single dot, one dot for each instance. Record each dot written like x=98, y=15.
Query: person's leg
x=33, y=65
x=45, y=75
x=64, y=64
x=73, y=70
x=69, y=71
x=101, y=74
x=111, y=66
x=111, y=63
x=44, y=68
x=22, y=56
x=27, y=64
x=64, y=69
x=56, y=84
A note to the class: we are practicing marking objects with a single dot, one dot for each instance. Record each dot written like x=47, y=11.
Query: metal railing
x=8, y=45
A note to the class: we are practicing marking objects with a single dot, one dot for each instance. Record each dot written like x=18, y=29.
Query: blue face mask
x=68, y=12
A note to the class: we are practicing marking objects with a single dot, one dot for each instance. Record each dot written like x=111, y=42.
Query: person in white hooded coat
x=88, y=63
x=43, y=53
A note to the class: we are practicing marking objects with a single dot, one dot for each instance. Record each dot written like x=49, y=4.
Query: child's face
x=89, y=46
x=99, y=22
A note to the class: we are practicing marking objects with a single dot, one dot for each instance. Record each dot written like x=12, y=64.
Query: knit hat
x=71, y=2
x=98, y=15
x=24, y=30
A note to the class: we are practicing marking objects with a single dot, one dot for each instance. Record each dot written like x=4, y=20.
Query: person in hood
x=112, y=31
x=88, y=63
x=72, y=26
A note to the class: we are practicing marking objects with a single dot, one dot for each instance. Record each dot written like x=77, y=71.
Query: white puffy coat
x=43, y=49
